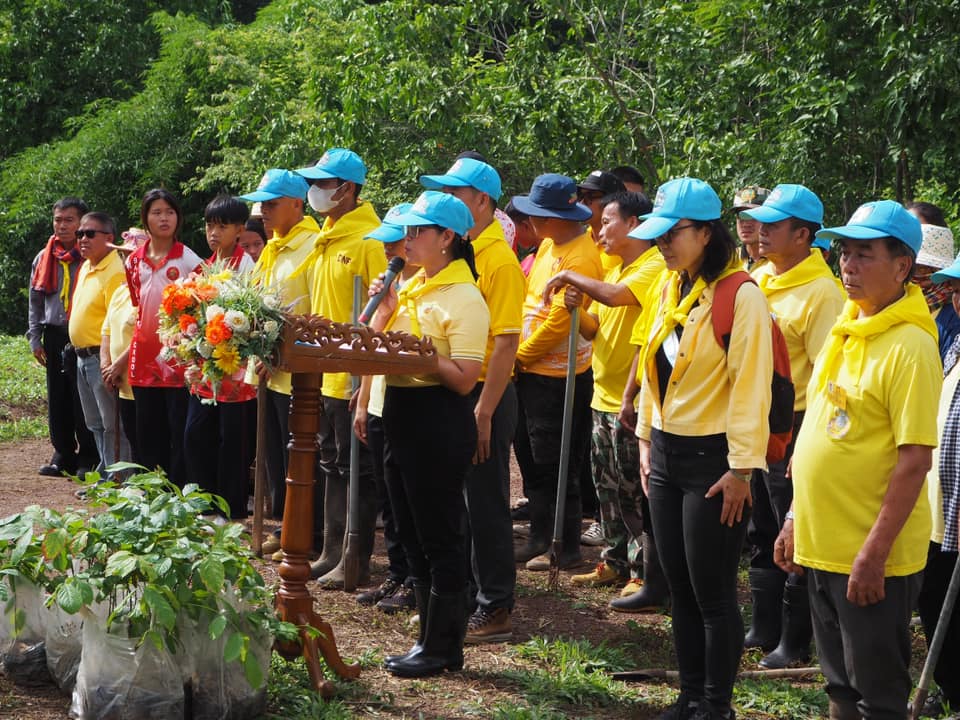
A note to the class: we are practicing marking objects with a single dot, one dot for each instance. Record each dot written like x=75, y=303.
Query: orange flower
x=206, y=293
x=218, y=331
x=175, y=299
x=186, y=320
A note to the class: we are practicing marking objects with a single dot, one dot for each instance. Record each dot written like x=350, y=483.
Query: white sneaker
x=593, y=535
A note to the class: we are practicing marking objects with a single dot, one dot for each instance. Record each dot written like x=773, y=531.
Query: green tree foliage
x=856, y=100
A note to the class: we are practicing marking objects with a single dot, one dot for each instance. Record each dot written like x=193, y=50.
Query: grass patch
x=291, y=696
x=572, y=672
x=23, y=391
x=780, y=699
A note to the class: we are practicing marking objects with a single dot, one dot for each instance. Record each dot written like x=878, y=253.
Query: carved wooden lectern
x=313, y=345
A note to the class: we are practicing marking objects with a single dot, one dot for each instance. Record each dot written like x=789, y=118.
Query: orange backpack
x=781, y=385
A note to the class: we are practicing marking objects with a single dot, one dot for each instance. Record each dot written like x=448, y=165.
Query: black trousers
x=700, y=558
x=161, y=418
x=487, y=492
x=397, y=566
x=219, y=445
x=936, y=579
x=430, y=435
x=73, y=443
x=128, y=419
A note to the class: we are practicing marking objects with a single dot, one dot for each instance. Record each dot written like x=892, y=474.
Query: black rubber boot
x=844, y=710
x=442, y=647
x=766, y=590
x=541, y=528
x=797, y=631
x=422, y=593
x=654, y=595
x=334, y=527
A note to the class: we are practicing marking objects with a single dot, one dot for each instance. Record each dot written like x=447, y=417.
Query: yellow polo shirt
x=452, y=314
x=501, y=283
x=345, y=255
x=805, y=301
x=118, y=326
x=840, y=482
x=711, y=391
x=282, y=255
x=95, y=286
x=543, y=342
x=612, y=351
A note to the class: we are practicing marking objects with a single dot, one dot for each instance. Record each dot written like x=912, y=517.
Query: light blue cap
x=337, y=163
x=389, y=231
x=883, y=218
x=821, y=243
x=684, y=197
x=948, y=273
x=278, y=183
x=786, y=201
x=467, y=172
x=437, y=208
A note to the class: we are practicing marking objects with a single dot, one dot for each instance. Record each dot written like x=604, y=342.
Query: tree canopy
x=856, y=100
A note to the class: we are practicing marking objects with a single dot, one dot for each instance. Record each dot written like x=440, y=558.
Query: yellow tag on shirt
x=837, y=395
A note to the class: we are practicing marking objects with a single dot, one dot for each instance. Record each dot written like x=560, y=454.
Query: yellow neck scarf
x=359, y=221
x=673, y=311
x=457, y=271
x=808, y=270
x=271, y=251
x=65, y=286
x=847, y=343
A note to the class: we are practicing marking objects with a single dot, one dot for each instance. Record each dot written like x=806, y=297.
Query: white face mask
x=321, y=199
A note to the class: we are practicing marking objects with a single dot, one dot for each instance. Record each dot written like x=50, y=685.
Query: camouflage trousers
x=615, y=463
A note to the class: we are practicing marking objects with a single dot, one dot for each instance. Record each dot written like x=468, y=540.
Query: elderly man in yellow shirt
x=341, y=252
x=558, y=219
x=862, y=518
x=281, y=195
x=805, y=300
x=100, y=275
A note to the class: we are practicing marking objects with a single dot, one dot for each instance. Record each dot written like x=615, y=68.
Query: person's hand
x=40, y=356
x=484, y=422
x=572, y=298
x=736, y=494
x=644, y=458
x=627, y=417
x=263, y=372
x=389, y=302
x=783, y=549
x=352, y=403
x=360, y=422
x=554, y=284
x=866, y=583
x=112, y=374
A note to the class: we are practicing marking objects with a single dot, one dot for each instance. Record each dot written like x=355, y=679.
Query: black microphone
x=393, y=269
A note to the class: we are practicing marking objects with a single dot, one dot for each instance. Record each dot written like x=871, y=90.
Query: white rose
x=213, y=311
x=236, y=321
x=270, y=327
x=204, y=348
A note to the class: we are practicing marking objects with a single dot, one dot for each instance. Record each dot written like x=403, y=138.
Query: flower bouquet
x=216, y=324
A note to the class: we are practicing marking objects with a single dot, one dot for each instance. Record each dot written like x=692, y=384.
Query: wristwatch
x=742, y=474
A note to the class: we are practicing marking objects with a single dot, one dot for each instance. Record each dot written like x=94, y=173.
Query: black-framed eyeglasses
x=588, y=196
x=669, y=235
x=89, y=233
x=414, y=231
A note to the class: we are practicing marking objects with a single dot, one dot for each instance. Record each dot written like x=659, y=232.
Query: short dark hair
x=720, y=249
x=256, y=225
x=630, y=204
x=898, y=248
x=105, y=220
x=513, y=213
x=65, y=203
x=811, y=227
x=929, y=213
x=628, y=173
x=471, y=155
x=226, y=209
x=150, y=198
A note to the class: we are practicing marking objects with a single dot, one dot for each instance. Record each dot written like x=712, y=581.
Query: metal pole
x=565, y=440
x=936, y=644
x=351, y=553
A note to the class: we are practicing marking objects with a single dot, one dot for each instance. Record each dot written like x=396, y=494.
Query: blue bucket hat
x=389, y=231
x=883, y=218
x=278, y=183
x=788, y=201
x=437, y=208
x=552, y=196
x=337, y=163
x=467, y=172
x=685, y=197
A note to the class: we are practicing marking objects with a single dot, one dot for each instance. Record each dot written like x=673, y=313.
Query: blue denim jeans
x=101, y=413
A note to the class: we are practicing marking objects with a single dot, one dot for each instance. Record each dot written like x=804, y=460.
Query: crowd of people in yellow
x=676, y=407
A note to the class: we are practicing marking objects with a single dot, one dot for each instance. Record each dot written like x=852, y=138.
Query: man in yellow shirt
x=748, y=229
x=281, y=196
x=487, y=485
x=862, y=516
x=557, y=218
x=805, y=300
x=101, y=273
x=340, y=253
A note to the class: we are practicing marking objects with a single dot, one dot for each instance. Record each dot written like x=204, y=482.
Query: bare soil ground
x=365, y=632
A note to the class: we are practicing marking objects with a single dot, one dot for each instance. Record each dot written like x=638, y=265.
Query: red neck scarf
x=45, y=276
x=233, y=262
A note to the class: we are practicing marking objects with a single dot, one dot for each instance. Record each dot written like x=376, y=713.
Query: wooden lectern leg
x=294, y=601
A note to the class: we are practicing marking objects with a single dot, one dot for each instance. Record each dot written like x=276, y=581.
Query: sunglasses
x=413, y=231
x=668, y=237
x=89, y=233
x=586, y=196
